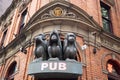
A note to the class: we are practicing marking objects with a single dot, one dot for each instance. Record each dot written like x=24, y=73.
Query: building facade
x=96, y=24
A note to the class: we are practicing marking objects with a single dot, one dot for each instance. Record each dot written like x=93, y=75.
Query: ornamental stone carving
x=110, y=44
x=58, y=12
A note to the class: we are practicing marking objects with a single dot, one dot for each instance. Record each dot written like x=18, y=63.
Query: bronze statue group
x=53, y=48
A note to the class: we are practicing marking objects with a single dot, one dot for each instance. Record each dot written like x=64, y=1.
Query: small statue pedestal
x=55, y=68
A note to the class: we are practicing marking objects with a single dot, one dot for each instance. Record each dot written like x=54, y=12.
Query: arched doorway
x=11, y=71
x=113, y=68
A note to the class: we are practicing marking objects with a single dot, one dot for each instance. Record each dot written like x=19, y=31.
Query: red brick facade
x=88, y=20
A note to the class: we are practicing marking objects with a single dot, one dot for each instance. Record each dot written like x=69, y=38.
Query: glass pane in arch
x=11, y=71
x=113, y=68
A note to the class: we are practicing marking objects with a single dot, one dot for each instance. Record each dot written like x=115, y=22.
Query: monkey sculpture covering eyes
x=54, y=47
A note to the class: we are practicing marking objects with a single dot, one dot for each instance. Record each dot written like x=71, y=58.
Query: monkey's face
x=37, y=38
x=71, y=38
x=44, y=37
x=54, y=38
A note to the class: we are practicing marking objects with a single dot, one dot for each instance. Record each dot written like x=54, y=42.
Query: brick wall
x=95, y=64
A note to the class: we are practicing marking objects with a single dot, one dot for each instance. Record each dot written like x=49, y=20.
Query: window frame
x=11, y=74
x=116, y=67
x=22, y=20
x=3, y=37
x=108, y=28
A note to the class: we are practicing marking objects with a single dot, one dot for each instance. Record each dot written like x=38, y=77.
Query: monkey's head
x=54, y=38
x=71, y=37
x=40, y=37
x=43, y=36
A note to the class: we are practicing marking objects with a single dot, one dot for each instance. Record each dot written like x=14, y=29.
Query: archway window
x=11, y=71
x=113, y=68
x=106, y=20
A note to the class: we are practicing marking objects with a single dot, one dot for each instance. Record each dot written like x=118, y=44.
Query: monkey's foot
x=53, y=59
x=70, y=59
x=38, y=59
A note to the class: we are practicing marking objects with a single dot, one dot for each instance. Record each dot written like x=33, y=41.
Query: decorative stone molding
x=111, y=2
x=23, y=4
x=58, y=12
x=9, y=10
x=110, y=43
x=8, y=63
x=105, y=58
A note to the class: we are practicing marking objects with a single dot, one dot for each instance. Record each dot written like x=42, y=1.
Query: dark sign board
x=55, y=69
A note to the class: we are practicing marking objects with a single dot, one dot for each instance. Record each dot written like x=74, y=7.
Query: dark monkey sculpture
x=41, y=46
x=54, y=46
x=70, y=49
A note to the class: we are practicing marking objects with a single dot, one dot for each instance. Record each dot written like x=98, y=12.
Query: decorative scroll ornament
x=58, y=12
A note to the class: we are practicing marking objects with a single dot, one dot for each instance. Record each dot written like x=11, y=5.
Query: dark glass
x=110, y=79
x=12, y=69
x=22, y=22
x=23, y=17
x=105, y=11
x=106, y=25
x=3, y=38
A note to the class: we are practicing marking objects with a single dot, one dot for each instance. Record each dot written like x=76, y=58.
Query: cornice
x=12, y=7
x=9, y=10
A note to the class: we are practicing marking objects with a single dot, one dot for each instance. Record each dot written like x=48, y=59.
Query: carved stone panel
x=110, y=44
x=111, y=2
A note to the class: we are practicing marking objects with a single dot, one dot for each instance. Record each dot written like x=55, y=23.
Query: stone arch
x=115, y=64
x=106, y=57
x=113, y=68
x=11, y=70
x=9, y=62
x=81, y=54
